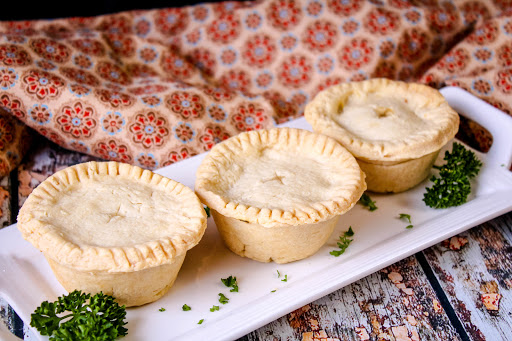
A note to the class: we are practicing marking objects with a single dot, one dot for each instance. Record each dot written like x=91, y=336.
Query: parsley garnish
x=161, y=309
x=214, y=308
x=230, y=282
x=453, y=187
x=80, y=316
x=274, y=290
x=285, y=279
x=186, y=308
x=409, y=227
x=405, y=216
x=343, y=243
x=366, y=201
x=223, y=299
x=207, y=210
x=200, y=321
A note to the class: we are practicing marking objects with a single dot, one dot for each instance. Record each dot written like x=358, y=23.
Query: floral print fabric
x=153, y=87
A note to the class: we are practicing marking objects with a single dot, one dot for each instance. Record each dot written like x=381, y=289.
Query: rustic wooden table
x=460, y=289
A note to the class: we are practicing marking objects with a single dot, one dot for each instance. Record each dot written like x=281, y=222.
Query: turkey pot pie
x=115, y=228
x=394, y=129
x=277, y=194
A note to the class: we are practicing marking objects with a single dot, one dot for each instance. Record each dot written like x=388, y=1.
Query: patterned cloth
x=153, y=87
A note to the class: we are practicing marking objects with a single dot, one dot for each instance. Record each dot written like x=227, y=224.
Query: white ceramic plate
x=380, y=240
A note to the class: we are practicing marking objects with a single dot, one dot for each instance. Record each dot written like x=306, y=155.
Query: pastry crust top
x=112, y=217
x=279, y=176
x=384, y=120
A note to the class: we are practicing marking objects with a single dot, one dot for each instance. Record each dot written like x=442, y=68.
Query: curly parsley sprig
x=80, y=316
x=452, y=187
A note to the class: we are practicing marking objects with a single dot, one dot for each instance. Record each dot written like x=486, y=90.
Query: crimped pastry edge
x=210, y=171
x=47, y=239
x=318, y=113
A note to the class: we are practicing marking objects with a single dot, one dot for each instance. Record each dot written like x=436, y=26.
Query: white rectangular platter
x=380, y=240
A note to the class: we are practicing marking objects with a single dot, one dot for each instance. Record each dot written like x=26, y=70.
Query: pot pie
x=115, y=228
x=277, y=194
x=394, y=129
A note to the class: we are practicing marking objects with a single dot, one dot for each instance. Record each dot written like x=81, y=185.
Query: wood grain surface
x=459, y=289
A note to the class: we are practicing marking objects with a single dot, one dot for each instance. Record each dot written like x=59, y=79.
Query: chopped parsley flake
x=214, y=308
x=223, y=299
x=207, y=210
x=366, y=201
x=161, y=309
x=186, y=308
x=405, y=216
x=200, y=321
x=230, y=282
x=343, y=243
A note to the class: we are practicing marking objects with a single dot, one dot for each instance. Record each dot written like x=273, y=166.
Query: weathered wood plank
x=396, y=303
x=475, y=272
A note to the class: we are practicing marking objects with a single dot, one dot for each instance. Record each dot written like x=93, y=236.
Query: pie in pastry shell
x=113, y=227
x=277, y=194
x=394, y=129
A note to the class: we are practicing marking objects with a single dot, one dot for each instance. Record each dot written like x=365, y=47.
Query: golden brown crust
x=35, y=226
x=222, y=169
x=439, y=121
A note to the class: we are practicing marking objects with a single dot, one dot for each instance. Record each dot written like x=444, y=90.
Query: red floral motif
x=6, y=132
x=58, y=31
x=51, y=135
x=12, y=55
x=504, y=81
x=83, y=61
x=413, y=45
x=218, y=94
x=193, y=37
x=142, y=27
x=77, y=120
x=320, y=35
x=177, y=66
x=249, y=117
x=385, y=69
x=79, y=89
x=112, y=123
x=200, y=12
x=89, y=46
x=171, y=21
x=484, y=35
x=51, y=50
x=358, y=77
x=328, y=82
x=483, y=55
x=151, y=101
x=111, y=150
x=482, y=86
x=137, y=70
x=228, y=56
x=473, y=11
x=184, y=132
x=78, y=146
x=236, y=80
x=504, y=54
x=253, y=20
x=225, y=7
x=259, y=50
x=345, y=7
x=20, y=28
x=175, y=156
x=116, y=24
x=186, y=104
x=122, y=45
x=7, y=78
x=40, y=114
x=443, y=18
x=283, y=109
x=357, y=53
x=456, y=60
x=12, y=105
x=147, y=89
x=42, y=84
x=216, y=112
x=349, y=27
x=115, y=99
x=295, y=71
x=80, y=76
x=213, y=135
x=400, y=3
x=284, y=14
x=147, y=161
x=112, y=73
x=204, y=60
x=224, y=28
x=264, y=79
x=382, y=21
x=314, y=8
x=149, y=129
x=148, y=54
